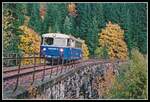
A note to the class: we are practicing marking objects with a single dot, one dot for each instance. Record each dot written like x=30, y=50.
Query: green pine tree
x=35, y=19
x=67, y=26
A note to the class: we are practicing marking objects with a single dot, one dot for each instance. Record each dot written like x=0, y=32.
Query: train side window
x=78, y=44
x=72, y=43
x=41, y=40
x=68, y=42
x=48, y=41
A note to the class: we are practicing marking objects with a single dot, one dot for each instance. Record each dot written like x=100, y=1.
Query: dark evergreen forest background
x=87, y=23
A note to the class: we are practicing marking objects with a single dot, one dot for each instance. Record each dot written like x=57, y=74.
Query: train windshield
x=60, y=42
x=48, y=41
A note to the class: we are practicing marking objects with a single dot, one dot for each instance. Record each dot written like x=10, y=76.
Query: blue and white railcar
x=61, y=46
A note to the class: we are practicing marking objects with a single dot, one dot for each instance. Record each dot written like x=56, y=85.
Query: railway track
x=13, y=69
x=27, y=75
x=9, y=74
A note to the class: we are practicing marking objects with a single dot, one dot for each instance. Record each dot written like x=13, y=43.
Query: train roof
x=59, y=35
x=56, y=35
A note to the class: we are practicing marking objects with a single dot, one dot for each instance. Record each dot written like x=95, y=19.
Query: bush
x=101, y=52
x=85, y=51
x=133, y=83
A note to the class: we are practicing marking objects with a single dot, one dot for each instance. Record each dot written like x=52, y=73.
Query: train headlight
x=80, y=55
x=61, y=49
x=44, y=49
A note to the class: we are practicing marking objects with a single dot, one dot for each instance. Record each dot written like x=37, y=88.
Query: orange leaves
x=33, y=91
x=72, y=9
x=112, y=36
x=105, y=83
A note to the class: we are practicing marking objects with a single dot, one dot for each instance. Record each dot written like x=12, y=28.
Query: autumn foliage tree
x=42, y=11
x=72, y=9
x=112, y=37
x=10, y=29
x=29, y=41
x=7, y=33
x=85, y=51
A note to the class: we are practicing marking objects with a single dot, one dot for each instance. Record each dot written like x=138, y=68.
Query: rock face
x=82, y=84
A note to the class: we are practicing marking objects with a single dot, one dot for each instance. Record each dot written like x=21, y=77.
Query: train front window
x=48, y=41
x=60, y=42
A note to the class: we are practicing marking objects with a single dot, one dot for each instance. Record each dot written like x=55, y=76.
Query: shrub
x=133, y=83
x=101, y=52
x=85, y=51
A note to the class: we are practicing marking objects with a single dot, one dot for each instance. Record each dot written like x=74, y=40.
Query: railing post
x=16, y=59
x=57, y=70
x=18, y=75
x=52, y=61
x=51, y=73
x=58, y=61
x=62, y=64
x=57, y=66
x=34, y=70
x=66, y=66
x=8, y=59
x=44, y=69
x=71, y=65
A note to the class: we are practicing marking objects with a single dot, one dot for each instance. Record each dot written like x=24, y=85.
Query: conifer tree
x=88, y=26
x=35, y=19
x=12, y=19
x=67, y=25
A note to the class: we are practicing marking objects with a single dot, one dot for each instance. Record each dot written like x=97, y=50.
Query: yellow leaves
x=85, y=51
x=29, y=43
x=7, y=21
x=31, y=60
x=26, y=20
x=7, y=29
x=112, y=37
